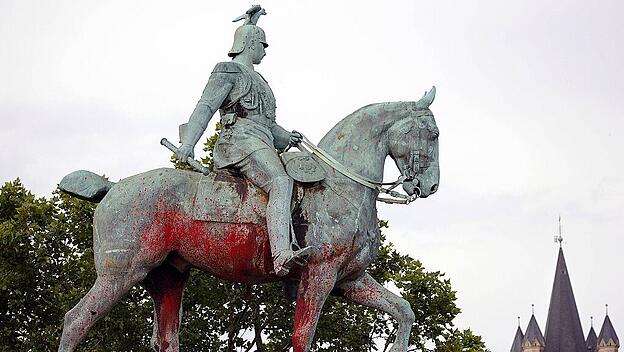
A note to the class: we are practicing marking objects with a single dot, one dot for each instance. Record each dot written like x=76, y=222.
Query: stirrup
x=297, y=258
x=299, y=255
x=294, y=257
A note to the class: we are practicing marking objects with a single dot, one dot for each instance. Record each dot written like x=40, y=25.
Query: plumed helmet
x=249, y=31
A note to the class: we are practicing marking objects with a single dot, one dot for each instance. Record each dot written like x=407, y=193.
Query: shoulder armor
x=239, y=76
x=226, y=67
x=261, y=76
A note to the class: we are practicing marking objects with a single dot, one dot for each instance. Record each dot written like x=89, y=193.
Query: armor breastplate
x=251, y=95
x=247, y=116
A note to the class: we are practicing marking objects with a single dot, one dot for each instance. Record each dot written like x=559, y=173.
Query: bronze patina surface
x=235, y=224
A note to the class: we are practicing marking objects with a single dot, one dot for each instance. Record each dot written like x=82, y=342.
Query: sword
x=194, y=163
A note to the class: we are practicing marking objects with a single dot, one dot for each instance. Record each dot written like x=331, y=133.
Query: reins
x=396, y=197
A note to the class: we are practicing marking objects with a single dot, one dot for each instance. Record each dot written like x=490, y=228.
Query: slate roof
x=608, y=332
x=516, y=346
x=592, y=340
x=533, y=333
x=564, y=332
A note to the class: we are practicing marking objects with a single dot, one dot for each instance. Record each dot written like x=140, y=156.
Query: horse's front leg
x=366, y=291
x=317, y=281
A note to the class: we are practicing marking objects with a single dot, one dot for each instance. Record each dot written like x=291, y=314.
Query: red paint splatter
x=233, y=251
x=165, y=284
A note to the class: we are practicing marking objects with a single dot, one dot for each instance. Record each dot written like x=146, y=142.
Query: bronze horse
x=146, y=229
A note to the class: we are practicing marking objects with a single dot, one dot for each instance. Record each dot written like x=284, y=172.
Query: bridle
x=416, y=162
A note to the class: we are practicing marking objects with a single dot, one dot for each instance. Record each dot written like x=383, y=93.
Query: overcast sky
x=530, y=106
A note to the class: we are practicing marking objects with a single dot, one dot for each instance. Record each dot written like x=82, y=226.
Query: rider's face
x=259, y=52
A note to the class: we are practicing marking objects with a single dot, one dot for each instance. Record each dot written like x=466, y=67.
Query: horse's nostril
x=434, y=188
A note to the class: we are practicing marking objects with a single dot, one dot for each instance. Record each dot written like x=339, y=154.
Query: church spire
x=592, y=340
x=533, y=340
x=563, y=325
x=516, y=346
x=608, y=340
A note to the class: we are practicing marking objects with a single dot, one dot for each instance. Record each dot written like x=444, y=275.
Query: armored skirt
x=239, y=140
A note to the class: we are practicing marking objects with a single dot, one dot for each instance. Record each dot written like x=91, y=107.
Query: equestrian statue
x=266, y=214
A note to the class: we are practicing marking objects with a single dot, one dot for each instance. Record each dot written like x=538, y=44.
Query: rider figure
x=249, y=135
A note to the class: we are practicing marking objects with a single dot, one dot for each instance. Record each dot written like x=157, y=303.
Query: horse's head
x=413, y=144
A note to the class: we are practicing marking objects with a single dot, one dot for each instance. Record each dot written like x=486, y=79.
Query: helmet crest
x=252, y=15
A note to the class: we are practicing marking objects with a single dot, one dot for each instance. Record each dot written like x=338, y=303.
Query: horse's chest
x=343, y=230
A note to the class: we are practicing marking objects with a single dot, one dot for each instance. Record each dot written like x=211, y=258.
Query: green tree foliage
x=456, y=340
x=46, y=266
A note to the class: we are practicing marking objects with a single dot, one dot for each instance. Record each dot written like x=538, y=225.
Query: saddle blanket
x=225, y=198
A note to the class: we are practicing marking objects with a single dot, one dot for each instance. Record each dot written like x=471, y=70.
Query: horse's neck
x=359, y=141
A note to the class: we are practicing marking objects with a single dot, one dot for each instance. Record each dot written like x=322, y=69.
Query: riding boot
x=278, y=222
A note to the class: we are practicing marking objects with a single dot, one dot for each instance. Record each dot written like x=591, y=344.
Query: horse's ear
x=427, y=99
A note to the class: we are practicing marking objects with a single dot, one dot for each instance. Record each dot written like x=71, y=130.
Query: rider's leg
x=264, y=169
x=278, y=218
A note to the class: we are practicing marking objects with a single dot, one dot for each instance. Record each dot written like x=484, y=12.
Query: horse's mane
x=370, y=112
x=389, y=106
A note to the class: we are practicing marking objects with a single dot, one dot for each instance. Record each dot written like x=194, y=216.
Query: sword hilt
x=194, y=163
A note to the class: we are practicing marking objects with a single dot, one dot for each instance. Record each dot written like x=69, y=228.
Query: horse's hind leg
x=107, y=290
x=370, y=293
x=165, y=284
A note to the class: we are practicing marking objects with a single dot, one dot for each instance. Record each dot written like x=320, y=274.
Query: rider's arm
x=217, y=89
x=281, y=137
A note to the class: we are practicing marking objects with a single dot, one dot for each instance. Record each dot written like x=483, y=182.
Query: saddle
x=226, y=196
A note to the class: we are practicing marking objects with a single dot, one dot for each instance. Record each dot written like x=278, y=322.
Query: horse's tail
x=86, y=185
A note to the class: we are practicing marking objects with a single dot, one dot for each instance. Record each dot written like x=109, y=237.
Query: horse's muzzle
x=420, y=188
x=411, y=188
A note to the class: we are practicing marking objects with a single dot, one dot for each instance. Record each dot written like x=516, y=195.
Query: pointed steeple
x=592, y=340
x=533, y=340
x=608, y=340
x=563, y=325
x=516, y=346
